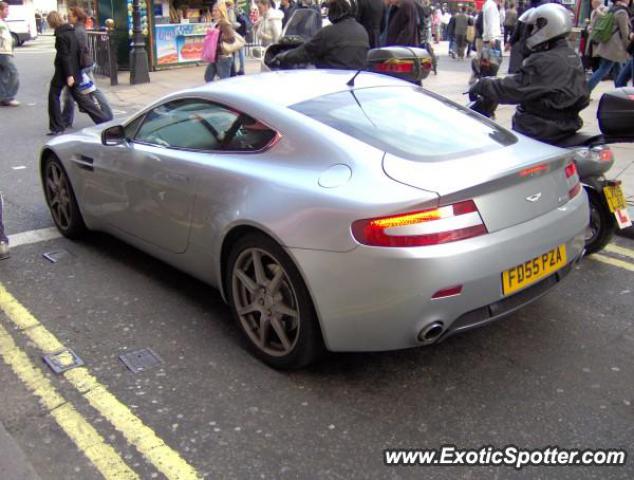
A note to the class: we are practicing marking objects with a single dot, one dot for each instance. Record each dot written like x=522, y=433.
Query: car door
x=146, y=186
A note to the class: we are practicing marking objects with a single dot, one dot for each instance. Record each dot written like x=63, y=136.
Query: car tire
x=271, y=304
x=16, y=40
x=602, y=223
x=61, y=200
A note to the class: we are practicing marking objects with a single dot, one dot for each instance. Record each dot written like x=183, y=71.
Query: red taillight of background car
x=450, y=223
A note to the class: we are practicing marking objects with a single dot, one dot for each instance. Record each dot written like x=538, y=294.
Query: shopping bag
x=86, y=85
x=210, y=45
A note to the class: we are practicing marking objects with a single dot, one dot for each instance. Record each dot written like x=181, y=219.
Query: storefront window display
x=179, y=32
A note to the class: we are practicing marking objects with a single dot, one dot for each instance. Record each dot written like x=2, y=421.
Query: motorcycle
x=593, y=158
x=407, y=63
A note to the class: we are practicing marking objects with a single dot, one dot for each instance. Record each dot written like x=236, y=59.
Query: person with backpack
x=612, y=34
x=627, y=72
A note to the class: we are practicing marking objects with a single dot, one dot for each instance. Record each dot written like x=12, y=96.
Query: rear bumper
x=502, y=308
x=381, y=298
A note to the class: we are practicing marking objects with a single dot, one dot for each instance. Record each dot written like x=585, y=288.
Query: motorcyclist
x=342, y=45
x=550, y=86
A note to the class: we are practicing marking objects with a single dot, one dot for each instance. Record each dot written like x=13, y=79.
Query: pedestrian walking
x=269, y=26
x=627, y=72
x=4, y=240
x=613, y=52
x=9, y=79
x=78, y=20
x=424, y=30
x=510, y=21
x=461, y=23
x=450, y=32
x=67, y=74
x=38, y=22
x=369, y=14
x=491, y=24
x=402, y=28
x=221, y=64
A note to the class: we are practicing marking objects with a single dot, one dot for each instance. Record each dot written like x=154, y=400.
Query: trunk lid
x=509, y=185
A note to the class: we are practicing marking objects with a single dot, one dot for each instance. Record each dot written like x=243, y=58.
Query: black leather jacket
x=341, y=45
x=66, y=56
x=550, y=88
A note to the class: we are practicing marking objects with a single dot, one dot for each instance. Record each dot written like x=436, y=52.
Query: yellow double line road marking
x=625, y=252
x=161, y=456
x=615, y=262
x=102, y=455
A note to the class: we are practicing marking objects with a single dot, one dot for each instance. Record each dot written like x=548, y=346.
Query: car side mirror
x=113, y=136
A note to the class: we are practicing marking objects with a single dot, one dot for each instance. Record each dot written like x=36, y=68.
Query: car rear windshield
x=408, y=122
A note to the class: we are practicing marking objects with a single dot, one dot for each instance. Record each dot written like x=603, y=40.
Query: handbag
x=210, y=45
x=471, y=33
x=238, y=43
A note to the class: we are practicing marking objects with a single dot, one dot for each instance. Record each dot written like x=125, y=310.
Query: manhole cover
x=140, y=360
x=63, y=360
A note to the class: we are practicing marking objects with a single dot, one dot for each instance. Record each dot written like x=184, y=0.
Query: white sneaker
x=11, y=103
x=4, y=250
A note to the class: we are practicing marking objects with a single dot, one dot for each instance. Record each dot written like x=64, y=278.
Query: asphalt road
x=559, y=372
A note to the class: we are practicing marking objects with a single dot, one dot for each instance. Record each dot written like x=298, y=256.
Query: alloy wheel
x=58, y=195
x=266, y=302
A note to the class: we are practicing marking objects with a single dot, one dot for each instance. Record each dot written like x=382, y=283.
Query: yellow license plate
x=614, y=196
x=532, y=271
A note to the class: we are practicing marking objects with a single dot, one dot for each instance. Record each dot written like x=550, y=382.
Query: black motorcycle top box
x=407, y=63
x=616, y=114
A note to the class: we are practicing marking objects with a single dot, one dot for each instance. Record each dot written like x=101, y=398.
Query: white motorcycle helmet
x=548, y=22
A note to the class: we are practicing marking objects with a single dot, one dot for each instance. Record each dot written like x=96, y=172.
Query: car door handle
x=85, y=163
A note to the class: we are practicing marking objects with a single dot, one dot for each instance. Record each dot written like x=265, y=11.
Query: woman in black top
x=67, y=74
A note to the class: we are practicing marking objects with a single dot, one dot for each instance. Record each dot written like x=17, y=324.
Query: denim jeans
x=604, y=68
x=221, y=67
x=98, y=97
x=240, y=55
x=55, y=120
x=9, y=79
x=3, y=237
x=626, y=74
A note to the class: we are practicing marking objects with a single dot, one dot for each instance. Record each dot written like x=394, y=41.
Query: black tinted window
x=407, y=121
x=200, y=125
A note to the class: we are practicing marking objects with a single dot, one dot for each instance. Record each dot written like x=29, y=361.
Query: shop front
x=174, y=31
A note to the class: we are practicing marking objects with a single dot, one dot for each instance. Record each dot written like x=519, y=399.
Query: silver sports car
x=375, y=216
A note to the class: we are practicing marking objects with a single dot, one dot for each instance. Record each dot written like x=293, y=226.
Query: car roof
x=289, y=87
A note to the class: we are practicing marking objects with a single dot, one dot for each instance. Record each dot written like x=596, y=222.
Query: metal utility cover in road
x=63, y=360
x=140, y=360
x=56, y=255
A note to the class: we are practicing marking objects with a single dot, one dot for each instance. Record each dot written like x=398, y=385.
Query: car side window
x=132, y=127
x=196, y=124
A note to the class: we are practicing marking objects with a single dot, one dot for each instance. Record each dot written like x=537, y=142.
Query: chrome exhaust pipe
x=431, y=333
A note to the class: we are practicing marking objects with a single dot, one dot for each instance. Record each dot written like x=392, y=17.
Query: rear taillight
x=395, y=66
x=571, y=169
x=605, y=154
x=426, y=227
x=571, y=176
